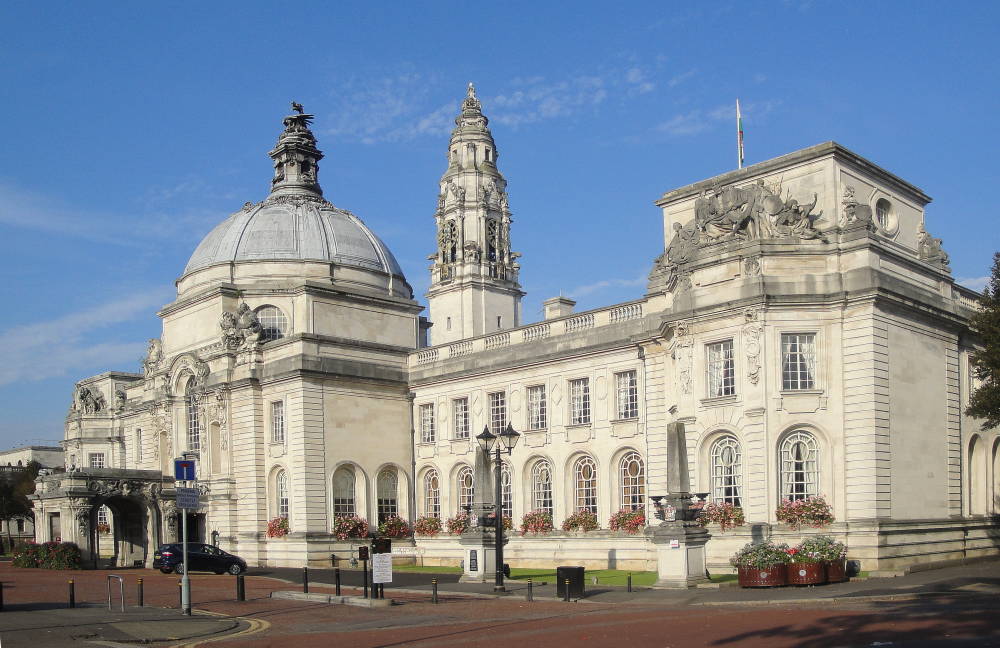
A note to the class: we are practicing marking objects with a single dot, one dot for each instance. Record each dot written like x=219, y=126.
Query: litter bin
x=575, y=576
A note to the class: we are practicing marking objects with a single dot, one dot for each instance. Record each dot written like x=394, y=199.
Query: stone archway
x=129, y=522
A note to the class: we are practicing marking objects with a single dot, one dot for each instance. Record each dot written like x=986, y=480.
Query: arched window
x=541, y=487
x=883, y=208
x=506, y=492
x=385, y=494
x=799, y=457
x=727, y=470
x=273, y=323
x=281, y=494
x=585, y=486
x=466, y=488
x=193, y=424
x=432, y=494
x=633, y=482
x=343, y=492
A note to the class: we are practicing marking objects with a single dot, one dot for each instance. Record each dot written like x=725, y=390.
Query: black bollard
x=1, y=597
x=305, y=580
x=629, y=586
x=531, y=594
x=434, y=590
x=566, y=590
x=364, y=570
x=381, y=591
x=241, y=592
x=336, y=579
x=72, y=594
x=139, y=594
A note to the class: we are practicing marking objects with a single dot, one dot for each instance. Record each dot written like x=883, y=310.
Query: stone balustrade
x=567, y=325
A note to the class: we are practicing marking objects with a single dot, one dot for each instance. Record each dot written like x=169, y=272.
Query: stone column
x=478, y=542
x=680, y=542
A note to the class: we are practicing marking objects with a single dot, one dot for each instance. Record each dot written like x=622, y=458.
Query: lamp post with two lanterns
x=490, y=442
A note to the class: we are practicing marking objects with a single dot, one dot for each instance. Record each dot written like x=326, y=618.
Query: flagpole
x=739, y=136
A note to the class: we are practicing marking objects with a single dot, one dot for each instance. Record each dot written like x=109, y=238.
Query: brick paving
x=948, y=607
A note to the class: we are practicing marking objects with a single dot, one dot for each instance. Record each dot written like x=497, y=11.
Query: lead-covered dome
x=295, y=223
x=294, y=227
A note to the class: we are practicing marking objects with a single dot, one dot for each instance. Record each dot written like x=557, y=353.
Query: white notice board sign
x=382, y=568
x=187, y=498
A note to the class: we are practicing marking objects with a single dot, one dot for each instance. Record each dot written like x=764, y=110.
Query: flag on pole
x=739, y=134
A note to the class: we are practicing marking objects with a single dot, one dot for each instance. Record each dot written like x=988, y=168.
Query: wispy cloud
x=678, y=79
x=400, y=107
x=57, y=346
x=700, y=120
x=975, y=283
x=583, y=291
x=23, y=209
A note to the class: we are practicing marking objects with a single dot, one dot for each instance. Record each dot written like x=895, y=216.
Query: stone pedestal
x=680, y=554
x=479, y=556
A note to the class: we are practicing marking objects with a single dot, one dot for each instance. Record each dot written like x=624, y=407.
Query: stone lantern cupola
x=296, y=158
x=474, y=276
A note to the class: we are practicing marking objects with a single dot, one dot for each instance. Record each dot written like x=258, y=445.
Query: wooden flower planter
x=836, y=571
x=776, y=576
x=807, y=573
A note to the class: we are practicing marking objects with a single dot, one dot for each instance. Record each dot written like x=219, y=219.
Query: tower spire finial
x=296, y=158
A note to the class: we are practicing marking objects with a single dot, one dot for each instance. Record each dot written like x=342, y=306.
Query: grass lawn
x=427, y=570
x=604, y=576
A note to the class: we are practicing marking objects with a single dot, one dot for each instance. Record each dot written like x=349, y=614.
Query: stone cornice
x=819, y=151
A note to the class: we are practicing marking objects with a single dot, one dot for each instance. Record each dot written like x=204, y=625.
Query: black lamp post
x=490, y=442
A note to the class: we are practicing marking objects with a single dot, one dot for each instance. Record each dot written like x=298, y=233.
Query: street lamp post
x=490, y=442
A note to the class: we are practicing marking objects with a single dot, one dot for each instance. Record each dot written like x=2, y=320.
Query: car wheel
x=179, y=568
x=165, y=570
x=235, y=569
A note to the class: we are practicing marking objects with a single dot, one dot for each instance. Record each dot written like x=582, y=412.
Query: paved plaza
x=957, y=606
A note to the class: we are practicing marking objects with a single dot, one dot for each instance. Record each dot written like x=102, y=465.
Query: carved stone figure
x=682, y=353
x=752, y=332
x=89, y=401
x=854, y=212
x=120, y=399
x=457, y=191
x=930, y=249
x=751, y=266
x=248, y=325
x=83, y=521
x=472, y=252
x=154, y=352
x=230, y=336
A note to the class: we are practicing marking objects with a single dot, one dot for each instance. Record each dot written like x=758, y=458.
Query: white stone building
x=801, y=323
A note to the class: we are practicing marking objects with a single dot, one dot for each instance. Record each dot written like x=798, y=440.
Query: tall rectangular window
x=460, y=412
x=627, y=391
x=721, y=369
x=96, y=459
x=427, y=423
x=798, y=361
x=138, y=445
x=278, y=422
x=579, y=401
x=536, y=408
x=498, y=412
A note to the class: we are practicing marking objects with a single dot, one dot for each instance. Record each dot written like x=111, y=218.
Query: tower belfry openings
x=474, y=274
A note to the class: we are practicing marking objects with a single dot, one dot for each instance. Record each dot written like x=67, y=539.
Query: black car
x=201, y=557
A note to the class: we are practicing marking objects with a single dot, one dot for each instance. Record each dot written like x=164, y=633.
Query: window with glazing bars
x=726, y=470
x=506, y=492
x=432, y=494
x=585, y=492
x=633, y=482
x=96, y=459
x=427, y=423
x=281, y=494
x=386, y=495
x=460, y=412
x=579, y=401
x=343, y=492
x=278, y=422
x=627, y=392
x=536, y=407
x=193, y=425
x=721, y=369
x=798, y=361
x=799, y=466
x=498, y=412
x=541, y=487
x=466, y=488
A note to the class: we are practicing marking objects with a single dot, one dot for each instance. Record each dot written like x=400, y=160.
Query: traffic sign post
x=187, y=499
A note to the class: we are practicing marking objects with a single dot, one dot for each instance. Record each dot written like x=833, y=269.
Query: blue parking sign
x=184, y=470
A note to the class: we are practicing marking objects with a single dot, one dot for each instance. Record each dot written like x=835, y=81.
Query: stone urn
x=803, y=573
x=774, y=576
x=836, y=571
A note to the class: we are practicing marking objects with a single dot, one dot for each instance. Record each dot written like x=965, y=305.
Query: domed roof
x=294, y=227
x=295, y=222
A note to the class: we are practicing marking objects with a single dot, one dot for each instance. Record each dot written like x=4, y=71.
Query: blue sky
x=130, y=129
